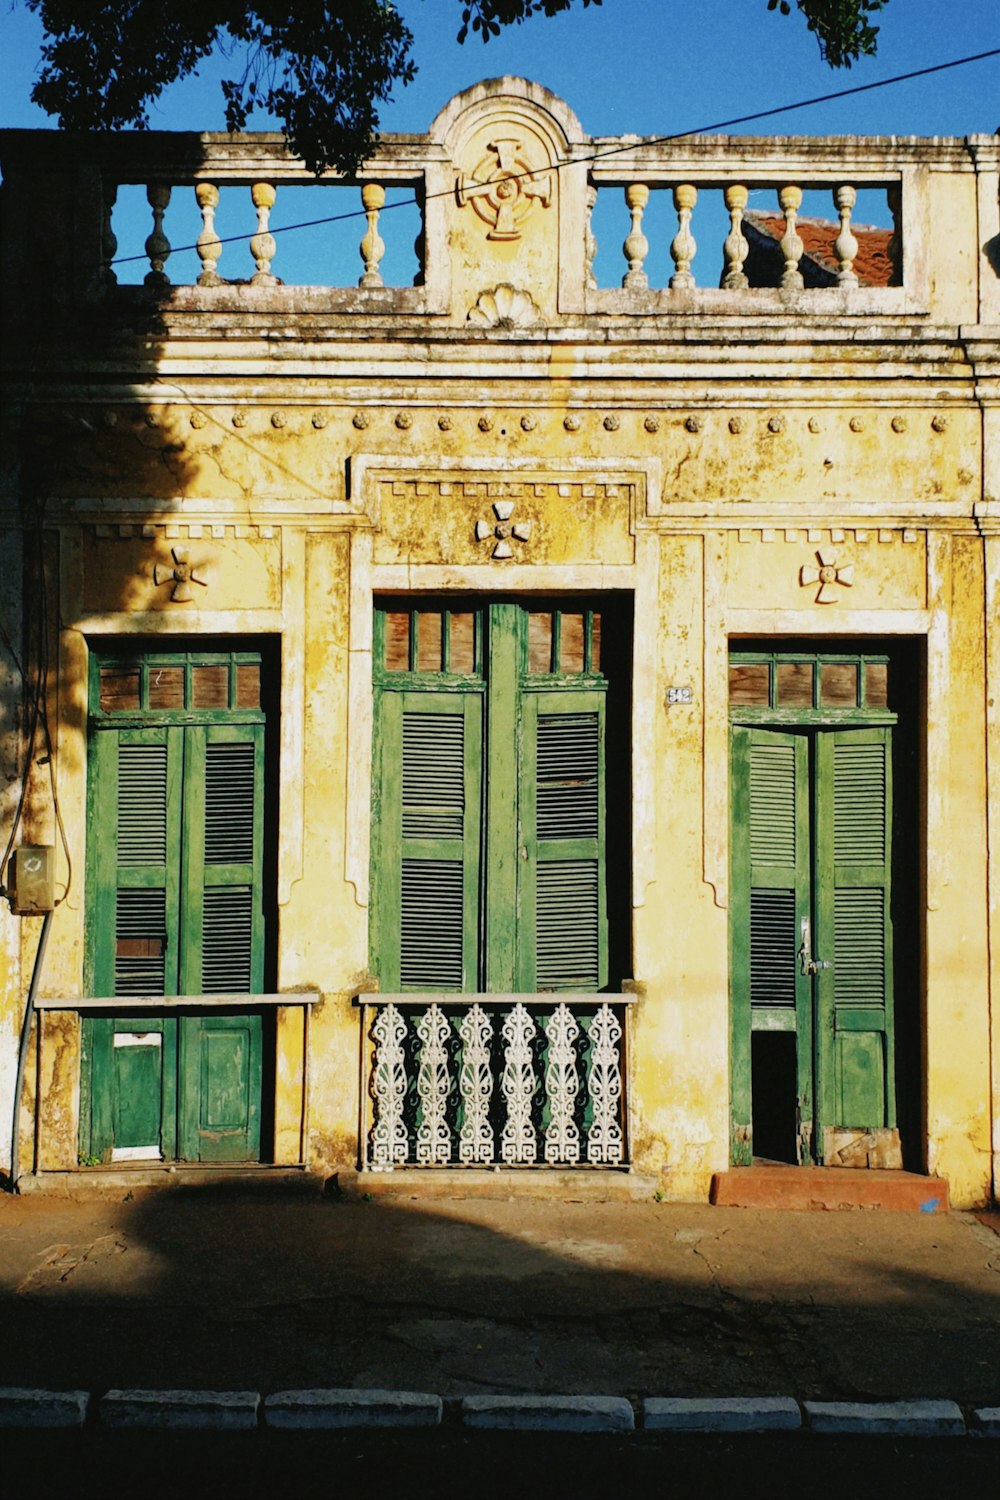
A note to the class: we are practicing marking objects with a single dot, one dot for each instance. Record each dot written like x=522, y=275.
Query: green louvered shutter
x=854, y=932
x=771, y=896
x=426, y=847
x=135, y=830
x=222, y=860
x=222, y=950
x=562, y=897
x=135, y=780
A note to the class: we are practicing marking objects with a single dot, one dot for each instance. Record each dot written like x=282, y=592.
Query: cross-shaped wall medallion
x=503, y=189
x=828, y=575
x=503, y=530
x=182, y=575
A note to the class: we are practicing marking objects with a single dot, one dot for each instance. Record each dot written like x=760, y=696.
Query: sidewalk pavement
x=230, y=1289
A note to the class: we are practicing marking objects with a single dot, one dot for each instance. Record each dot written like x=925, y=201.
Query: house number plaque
x=679, y=695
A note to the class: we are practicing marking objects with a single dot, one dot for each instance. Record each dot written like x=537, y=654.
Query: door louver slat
x=567, y=918
x=431, y=926
x=859, y=804
x=227, y=940
x=140, y=932
x=772, y=804
x=229, y=803
x=859, y=946
x=568, y=751
x=142, y=805
x=772, y=948
x=433, y=775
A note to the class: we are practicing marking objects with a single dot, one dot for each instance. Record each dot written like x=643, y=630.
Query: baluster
x=372, y=246
x=636, y=246
x=208, y=244
x=589, y=239
x=433, y=1089
x=475, y=1087
x=562, y=1084
x=157, y=245
x=518, y=1085
x=791, y=245
x=390, y=1143
x=605, y=1144
x=845, y=246
x=262, y=246
x=735, y=248
x=895, y=248
x=684, y=246
x=109, y=240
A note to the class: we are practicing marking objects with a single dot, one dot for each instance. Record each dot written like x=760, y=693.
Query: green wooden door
x=811, y=942
x=175, y=908
x=853, y=933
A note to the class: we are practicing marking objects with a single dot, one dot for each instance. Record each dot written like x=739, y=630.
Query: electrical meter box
x=31, y=879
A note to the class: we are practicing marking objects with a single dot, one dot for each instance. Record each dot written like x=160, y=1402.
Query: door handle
x=809, y=964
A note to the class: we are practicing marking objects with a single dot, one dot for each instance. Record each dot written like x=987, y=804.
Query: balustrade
x=263, y=246
x=786, y=232
x=494, y=1081
x=779, y=256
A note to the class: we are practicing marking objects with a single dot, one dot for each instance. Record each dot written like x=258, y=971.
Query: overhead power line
x=634, y=145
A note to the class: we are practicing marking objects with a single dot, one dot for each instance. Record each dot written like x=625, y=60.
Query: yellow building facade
x=506, y=723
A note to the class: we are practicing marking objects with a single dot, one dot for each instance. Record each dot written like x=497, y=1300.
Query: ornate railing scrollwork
x=494, y=1081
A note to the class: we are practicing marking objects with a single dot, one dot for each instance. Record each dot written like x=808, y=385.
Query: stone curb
x=549, y=1413
x=315, y=1409
x=723, y=1414
x=243, y=1411
x=189, y=1411
x=22, y=1407
x=886, y=1418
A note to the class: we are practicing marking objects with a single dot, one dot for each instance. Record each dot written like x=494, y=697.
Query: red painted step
x=829, y=1188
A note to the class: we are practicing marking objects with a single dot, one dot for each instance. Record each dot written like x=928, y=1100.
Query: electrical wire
x=641, y=144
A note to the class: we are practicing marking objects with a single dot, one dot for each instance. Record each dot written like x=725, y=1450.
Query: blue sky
x=642, y=66
x=649, y=66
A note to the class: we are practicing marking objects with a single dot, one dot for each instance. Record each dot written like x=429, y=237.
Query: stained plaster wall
x=698, y=471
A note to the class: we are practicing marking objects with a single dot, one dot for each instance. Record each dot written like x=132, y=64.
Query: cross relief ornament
x=828, y=575
x=182, y=575
x=503, y=189
x=503, y=530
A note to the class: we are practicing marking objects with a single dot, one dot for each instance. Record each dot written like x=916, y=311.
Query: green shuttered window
x=489, y=863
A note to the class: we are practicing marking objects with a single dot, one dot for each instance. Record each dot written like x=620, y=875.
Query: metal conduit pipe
x=22, y=1056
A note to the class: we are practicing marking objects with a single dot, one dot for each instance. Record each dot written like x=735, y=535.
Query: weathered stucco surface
x=306, y=449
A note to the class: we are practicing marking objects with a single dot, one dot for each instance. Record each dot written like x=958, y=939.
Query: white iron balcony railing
x=494, y=1081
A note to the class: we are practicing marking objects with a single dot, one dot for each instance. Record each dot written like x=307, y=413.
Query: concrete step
x=581, y=1185
x=222, y=1177
x=803, y=1188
